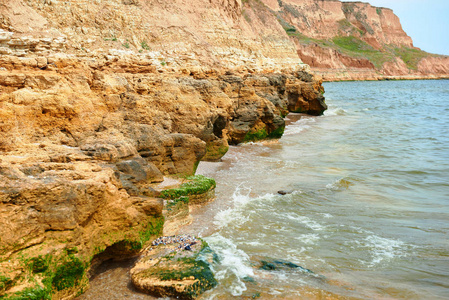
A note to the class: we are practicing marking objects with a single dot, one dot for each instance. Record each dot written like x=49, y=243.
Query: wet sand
x=112, y=281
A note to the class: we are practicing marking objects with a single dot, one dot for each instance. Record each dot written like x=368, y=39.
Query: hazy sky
x=426, y=21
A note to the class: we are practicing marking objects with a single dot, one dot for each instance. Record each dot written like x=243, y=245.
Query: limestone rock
x=98, y=104
x=140, y=170
x=193, y=190
x=175, y=266
x=305, y=98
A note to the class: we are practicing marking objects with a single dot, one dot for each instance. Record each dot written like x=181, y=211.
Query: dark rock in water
x=279, y=264
x=286, y=263
x=267, y=266
x=248, y=279
x=282, y=192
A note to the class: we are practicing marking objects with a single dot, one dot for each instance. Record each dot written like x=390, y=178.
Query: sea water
x=366, y=214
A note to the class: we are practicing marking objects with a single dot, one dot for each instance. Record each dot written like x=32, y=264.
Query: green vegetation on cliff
x=355, y=47
x=411, y=57
x=355, y=38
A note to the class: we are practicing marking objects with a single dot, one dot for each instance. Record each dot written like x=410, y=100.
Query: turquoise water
x=368, y=211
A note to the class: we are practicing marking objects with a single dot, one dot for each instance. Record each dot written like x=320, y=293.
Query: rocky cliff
x=355, y=41
x=100, y=101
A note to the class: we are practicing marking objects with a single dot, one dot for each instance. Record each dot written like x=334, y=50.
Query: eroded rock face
x=354, y=41
x=82, y=143
x=163, y=30
x=164, y=119
x=99, y=100
x=51, y=211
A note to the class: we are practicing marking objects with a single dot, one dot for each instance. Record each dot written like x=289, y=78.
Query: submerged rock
x=279, y=264
x=175, y=266
x=282, y=192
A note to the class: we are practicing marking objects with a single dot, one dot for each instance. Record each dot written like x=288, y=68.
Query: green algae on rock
x=262, y=134
x=197, y=187
x=62, y=274
x=175, y=266
x=215, y=151
x=197, y=190
x=49, y=277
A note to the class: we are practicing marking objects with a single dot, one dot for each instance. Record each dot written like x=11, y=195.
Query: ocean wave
x=233, y=266
x=291, y=130
x=228, y=216
x=326, y=215
x=238, y=215
x=340, y=184
x=335, y=112
x=299, y=126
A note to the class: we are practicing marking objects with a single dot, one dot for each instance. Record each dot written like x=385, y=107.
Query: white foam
x=295, y=130
x=383, y=249
x=335, y=112
x=299, y=126
x=306, y=221
x=275, y=292
x=326, y=215
x=309, y=238
x=234, y=263
x=232, y=215
x=238, y=215
x=253, y=243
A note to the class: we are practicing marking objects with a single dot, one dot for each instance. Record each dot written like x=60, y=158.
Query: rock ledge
x=175, y=266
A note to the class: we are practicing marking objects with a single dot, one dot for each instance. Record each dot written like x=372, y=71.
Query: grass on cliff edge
x=411, y=57
x=357, y=48
x=197, y=184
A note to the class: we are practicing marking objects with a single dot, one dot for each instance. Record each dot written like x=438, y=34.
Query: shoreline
x=356, y=76
x=392, y=78
x=114, y=276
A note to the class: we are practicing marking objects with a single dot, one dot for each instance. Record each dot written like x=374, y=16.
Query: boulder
x=175, y=266
x=140, y=171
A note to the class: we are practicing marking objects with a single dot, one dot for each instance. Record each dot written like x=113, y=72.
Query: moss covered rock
x=216, y=150
x=196, y=189
x=175, y=266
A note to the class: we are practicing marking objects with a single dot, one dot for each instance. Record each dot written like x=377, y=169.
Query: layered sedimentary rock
x=81, y=146
x=354, y=40
x=99, y=100
x=175, y=32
